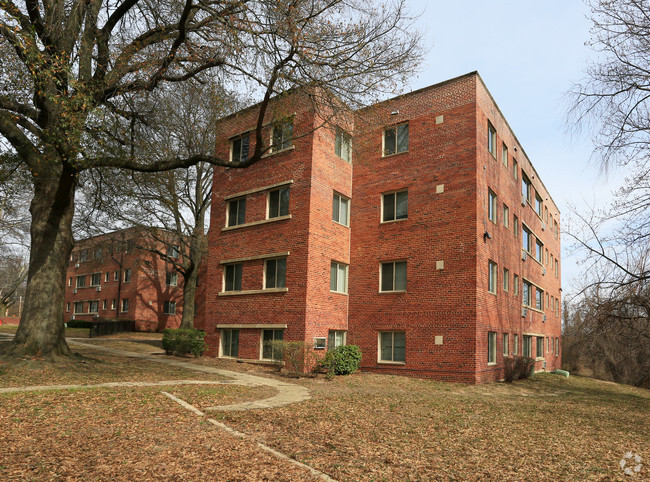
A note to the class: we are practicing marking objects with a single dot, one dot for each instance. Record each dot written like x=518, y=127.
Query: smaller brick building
x=113, y=276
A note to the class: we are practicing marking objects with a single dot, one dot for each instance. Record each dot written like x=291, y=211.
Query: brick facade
x=122, y=272
x=445, y=240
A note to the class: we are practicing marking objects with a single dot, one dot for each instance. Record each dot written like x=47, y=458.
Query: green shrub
x=342, y=360
x=518, y=367
x=183, y=342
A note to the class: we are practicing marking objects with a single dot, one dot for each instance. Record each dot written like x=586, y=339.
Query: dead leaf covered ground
x=360, y=427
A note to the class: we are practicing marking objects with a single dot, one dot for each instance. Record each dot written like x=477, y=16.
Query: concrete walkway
x=287, y=392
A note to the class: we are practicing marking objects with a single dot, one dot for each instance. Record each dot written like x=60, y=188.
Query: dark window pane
x=284, y=201
x=335, y=207
x=274, y=204
x=232, y=213
x=387, y=346
x=270, y=273
x=399, y=347
x=333, y=273
x=387, y=277
x=400, y=276
x=281, y=273
x=389, y=207
x=241, y=211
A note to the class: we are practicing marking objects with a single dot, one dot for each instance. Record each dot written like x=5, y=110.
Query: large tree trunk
x=189, y=298
x=41, y=330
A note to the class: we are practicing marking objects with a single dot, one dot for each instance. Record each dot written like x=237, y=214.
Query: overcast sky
x=529, y=53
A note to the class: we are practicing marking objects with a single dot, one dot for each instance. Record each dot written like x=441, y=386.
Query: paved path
x=287, y=392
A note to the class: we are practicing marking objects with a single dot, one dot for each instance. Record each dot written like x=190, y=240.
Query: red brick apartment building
x=109, y=276
x=420, y=232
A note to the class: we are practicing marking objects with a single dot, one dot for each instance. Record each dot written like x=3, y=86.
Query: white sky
x=529, y=53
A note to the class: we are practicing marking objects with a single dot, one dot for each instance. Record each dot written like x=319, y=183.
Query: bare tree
x=71, y=71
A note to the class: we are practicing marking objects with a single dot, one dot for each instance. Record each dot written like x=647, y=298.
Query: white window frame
x=506, y=343
x=339, y=200
x=275, y=331
x=396, y=129
x=392, y=360
x=492, y=348
x=127, y=275
x=286, y=135
x=171, y=278
x=237, y=156
x=91, y=304
x=340, y=273
x=237, y=268
x=268, y=202
x=343, y=145
x=80, y=305
x=506, y=279
x=394, y=263
x=504, y=154
x=80, y=281
x=506, y=216
x=492, y=277
x=125, y=303
x=492, y=206
x=492, y=140
x=336, y=338
x=167, y=307
x=225, y=338
x=95, y=277
x=383, y=201
x=240, y=210
x=277, y=283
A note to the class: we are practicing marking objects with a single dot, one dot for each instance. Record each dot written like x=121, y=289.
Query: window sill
x=384, y=155
x=341, y=224
x=391, y=292
x=338, y=293
x=387, y=362
x=253, y=292
x=257, y=223
x=532, y=308
x=390, y=221
x=279, y=151
x=492, y=364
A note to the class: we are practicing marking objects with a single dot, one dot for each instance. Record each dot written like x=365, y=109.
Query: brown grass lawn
x=360, y=427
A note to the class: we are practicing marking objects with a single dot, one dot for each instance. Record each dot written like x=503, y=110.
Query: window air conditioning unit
x=524, y=200
x=99, y=288
x=544, y=364
x=524, y=312
x=76, y=265
x=74, y=292
x=95, y=316
x=543, y=226
x=543, y=273
x=72, y=317
x=543, y=318
x=524, y=255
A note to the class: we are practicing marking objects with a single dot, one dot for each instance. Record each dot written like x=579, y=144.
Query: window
x=514, y=169
x=113, y=304
x=81, y=281
x=171, y=278
x=548, y=304
x=320, y=343
x=169, y=307
x=275, y=273
x=67, y=307
x=70, y=281
x=492, y=140
x=107, y=277
x=557, y=267
x=230, y=343
x=335, y=339
x=492, y=206
x=279, y=202
x=396, y=139
x=98, y=253
x=505, y=344
x=526, y=239
x=282, y=137
x=393, y=276
x=116, y=275
x=557, y=347
x=173, y=251
x=271, y=349
x=130, y=245
x=342, y=145
x=104, y=304
x=515, y=226
x=526, y=187
x=546, y=257
x=527, y=293
x=538, y=205
x=233, y=275
x=539, y=299
x=339, y=277
x=236, y=212
x=341, y=209
x=515, y=343
x=95, y=279
x=506, y=216
x=492, y=277
x=79, y=307
x=492, y=347
x=548, y=344
x=540, y=346
x=392, y=346
x=539, y=250
x=546, y=213
x=506, y=280
x=127, y=275
x=515, y=282
x=125, y=305
x=394, y=206
x=83, y=255
x=556, y=229
x=528, y=346
x=93, y=306
x=239, y=149
x=504, y=152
